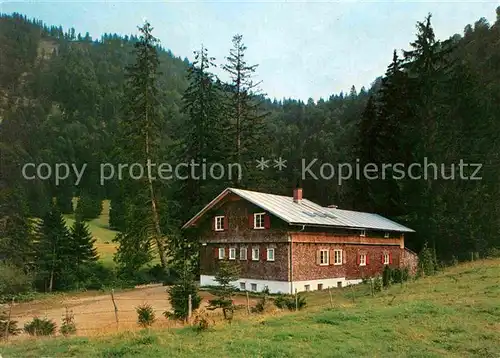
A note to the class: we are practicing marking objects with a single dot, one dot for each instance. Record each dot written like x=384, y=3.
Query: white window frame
x=219, y=223
x=222, y=253
x=243, y=253
x=255, y=250
x=232, y=253
x=386, y=235
x=243, y=286
x=363, y=233
x=269, y=250
x=252, y=285
x=386, y=258
x=327, y=261
x=307, y=288
x=362, y=259
x=260, y=215
x=335, y=261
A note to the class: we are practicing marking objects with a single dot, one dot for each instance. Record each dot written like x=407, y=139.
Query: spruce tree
x=54, y=262
x=201, y=139
x=88, y=207
x=243, y=110
x=117, y=214
x=134, y=249
x=84, y=251
x=16, y=245
x=140, y=130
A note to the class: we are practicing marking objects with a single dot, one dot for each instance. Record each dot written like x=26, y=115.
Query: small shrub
x=400, y=275
x=493, y=252
x=288, y=301
x=13, y=281
x=179, y=296
x=427, y=264
x=301, y=303
x=280, y=301
x=145, y=315
x=4, y=321
x=377, y=284
x=227, y=272
x=202, y=321
x=68, y=325
x=40, y=327
x=169, y=315
x=397, y=275
x=263, y=302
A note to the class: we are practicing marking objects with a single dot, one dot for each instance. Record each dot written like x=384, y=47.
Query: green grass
x=104, y=236
x=100, y=230
x=453, y=314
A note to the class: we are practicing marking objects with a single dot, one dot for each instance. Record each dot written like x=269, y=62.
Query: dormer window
x=219, y=223
x=258, y=220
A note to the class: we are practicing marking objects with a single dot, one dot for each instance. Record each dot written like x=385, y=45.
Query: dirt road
x=94, y=312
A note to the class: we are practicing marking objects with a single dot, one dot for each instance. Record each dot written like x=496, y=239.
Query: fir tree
x=117, y=214
x=201, y=141
x=88, y=207
x=142, y=124
x=84, y=251
x=134, y=250
x=243, y=109
x=55, y=263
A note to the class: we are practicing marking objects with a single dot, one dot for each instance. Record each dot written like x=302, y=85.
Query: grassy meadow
x=453, y=314
x=100, y=230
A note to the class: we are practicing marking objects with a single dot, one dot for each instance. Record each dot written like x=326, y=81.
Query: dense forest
x=68, y=98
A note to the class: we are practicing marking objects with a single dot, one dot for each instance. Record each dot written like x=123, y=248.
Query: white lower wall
x=281, y=286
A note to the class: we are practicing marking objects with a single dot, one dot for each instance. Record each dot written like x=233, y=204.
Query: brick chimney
x=297, y=195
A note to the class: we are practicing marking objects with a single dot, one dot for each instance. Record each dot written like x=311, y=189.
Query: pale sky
x=304, y=49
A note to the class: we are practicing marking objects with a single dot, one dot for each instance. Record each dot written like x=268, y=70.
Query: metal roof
x=308, y=213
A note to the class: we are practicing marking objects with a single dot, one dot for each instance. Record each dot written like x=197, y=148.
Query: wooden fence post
x=296, y=301
x=116, y=308
x=7, y=326
x=190, y=309
x=330, y=294
x=248, y=303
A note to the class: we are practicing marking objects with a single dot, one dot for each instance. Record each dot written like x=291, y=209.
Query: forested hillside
x=67, y=98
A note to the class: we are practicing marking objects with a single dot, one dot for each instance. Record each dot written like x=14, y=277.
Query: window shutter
x=318, y=257
x=367, y=259
x=226, y=222
x=382, y=259
x=250, y=221
x=267, y=221
x=216, y=252
x=263, y=253
x=213, y=223
x=226, y=253
x=249, y=253
x=390, y=258
x=331, y=253
x=344, y=260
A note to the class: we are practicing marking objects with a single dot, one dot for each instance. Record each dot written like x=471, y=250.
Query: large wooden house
x=291, y=243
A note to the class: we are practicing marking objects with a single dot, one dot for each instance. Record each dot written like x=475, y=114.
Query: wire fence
x=117, y=312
